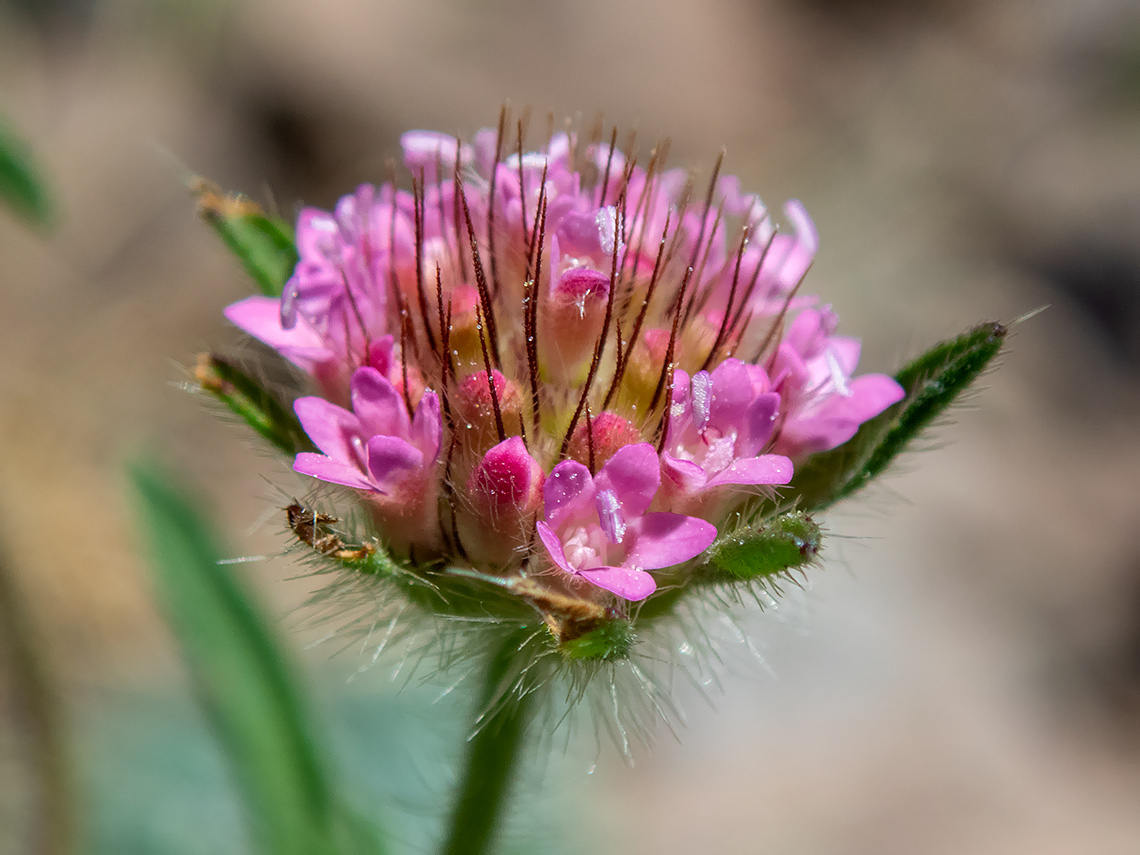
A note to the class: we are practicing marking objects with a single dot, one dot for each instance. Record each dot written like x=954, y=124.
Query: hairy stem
x=493, y=752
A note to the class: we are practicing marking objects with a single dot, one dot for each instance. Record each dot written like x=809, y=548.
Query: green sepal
x=21, y=187
x=244, y=685
x=785, y=542
x=932, y=382
x=251, y=402
x=609, y=641
x=264, y=244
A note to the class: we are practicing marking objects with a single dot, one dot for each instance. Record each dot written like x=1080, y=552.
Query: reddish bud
x=572, y=321
x=481, y=414
x=504, y=493
x=609, y=433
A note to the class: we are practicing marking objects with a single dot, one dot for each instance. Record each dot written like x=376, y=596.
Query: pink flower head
x=825, y=405
x=718, y=425
x=597, y=527
x=544, y=341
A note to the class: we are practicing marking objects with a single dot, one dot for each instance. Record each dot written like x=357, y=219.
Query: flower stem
x=493, y=752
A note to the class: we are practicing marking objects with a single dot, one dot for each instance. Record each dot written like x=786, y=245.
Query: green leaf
x=789, y=540
x=243, y=683
x=932, y=383
x=262, y=243
x=252, y=402
x=21, y=188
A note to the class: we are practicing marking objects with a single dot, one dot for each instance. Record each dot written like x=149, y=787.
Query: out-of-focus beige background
x=964, y=675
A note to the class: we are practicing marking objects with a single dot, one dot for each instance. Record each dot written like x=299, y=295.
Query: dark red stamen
x=609, y=160
x=705, y=213
x=720, y=335
x=456, y=185
x=667, y=365
x=657, y=268
x=418, y=207
x=590, y=439
x=481, y=280
x=747, y=298
x=490, y=377
x=491, y=203
x=404, y=365
x=530, y=324
x=522, y=186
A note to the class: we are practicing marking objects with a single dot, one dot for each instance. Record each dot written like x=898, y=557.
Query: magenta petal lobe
x=667, y=539
x=390, y=459
x=767, y=469
x=627, y=582
x=333, y=471
x=566, y=483
x=634, y=475
x=330, y=427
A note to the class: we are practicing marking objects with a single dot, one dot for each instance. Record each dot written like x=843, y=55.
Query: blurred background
x=964, y=673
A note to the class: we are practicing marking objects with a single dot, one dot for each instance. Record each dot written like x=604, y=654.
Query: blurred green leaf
x=262, y=243
x=932, y=383
x=252, y=402
x=40, y=765
x=243, y=684
x=21, y=188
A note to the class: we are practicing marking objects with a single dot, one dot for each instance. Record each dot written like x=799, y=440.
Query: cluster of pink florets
x=559, y=364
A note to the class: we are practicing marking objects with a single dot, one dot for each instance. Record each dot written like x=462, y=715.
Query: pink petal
x=731, y=394
x=846, y=351
x=627, y=582
x=799, y=258
x=329, y=426
x=390, y=459
x=686, y=474
x=634, y=474
x=870, y=395
x=767, y=469
x=759, y=423
x=380, y=408
x=427, y=426
x=663, y=540
x=261, y=318
x=424, y=149
x=317, y=233
x=319, y=466
x=840, y=416
x=568, y=488
x=554, y=546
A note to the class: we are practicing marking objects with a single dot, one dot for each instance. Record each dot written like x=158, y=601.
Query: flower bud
x=463, y=335
x=504, y=492
x=608, y=433
x=643, y=369
x=572, y=321
x=485, y=418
